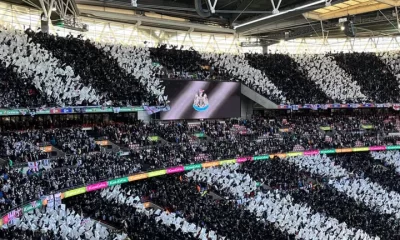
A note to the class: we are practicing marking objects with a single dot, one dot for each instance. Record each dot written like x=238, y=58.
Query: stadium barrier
x=68, y=110
x=19, y=211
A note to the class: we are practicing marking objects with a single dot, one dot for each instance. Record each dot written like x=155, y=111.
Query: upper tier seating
x=38, y=69
x=45, y=70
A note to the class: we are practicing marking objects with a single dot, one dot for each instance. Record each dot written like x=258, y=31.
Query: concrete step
x=215, y=196
x=3, y=162
x=56, y=152
x=108, y=145
x=258, y=98
x=152, y=206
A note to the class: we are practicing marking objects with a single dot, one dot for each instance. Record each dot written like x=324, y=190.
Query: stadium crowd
x=46, y=70
x=273, y=133
x=39, y=70
x=86, y=162
x=58, y=223
x=347, y=196
x=305, y=197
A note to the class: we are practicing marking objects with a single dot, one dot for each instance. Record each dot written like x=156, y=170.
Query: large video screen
x=201, y=100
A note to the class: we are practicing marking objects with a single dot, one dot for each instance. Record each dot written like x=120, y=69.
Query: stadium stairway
x=112, y=146
x=55, y=152
x=258, y=98
x=153, y=206
x=3, y=162
x=215, y=196
x=162, y=140
x=207, y=138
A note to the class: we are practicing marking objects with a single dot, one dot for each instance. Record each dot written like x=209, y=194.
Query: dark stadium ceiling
x=251, y=17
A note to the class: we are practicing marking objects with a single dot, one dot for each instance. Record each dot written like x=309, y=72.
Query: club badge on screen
x=200, y=101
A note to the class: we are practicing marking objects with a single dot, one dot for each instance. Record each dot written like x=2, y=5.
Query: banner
x=102, y=143
x=123, y=154
x=261, y=157
x=367, y=126
x=377, y=148
x=294, y=154
x=314, y=106
x=57, y=200
x=327, y=151
x=360, y=149
x=241, y=159
x=325, y=128
x=230, y=161
x=96, y=186
x=395, y=106
x=152, y=109
x=74, y=192
x=16, y=213
x=157, y=173
x=50, y=201
x=193, y=166
x=33, y=205
x=67, y=110
x=311, y=152
x=344, y=150
x=284, y=129
x=137, y=177
x=199, y=135
x=210, y=164
x=118, y=181
x=175, y=169
x=394, y=147
x=153, y=138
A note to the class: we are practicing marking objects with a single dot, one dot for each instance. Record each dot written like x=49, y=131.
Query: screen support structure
x=212, y=6
x=276, y=7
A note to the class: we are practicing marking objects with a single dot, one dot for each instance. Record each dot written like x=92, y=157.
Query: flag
x=14, y=214
x=46, y=162
x=116, y=109
x=314, y=106
x=380, y=105
x=33, y=166
x=23, y=112
x=57, y=200
x=50, y=201
x=324, y=106
x=10, y=163
x=155, y=109
x=328, y=139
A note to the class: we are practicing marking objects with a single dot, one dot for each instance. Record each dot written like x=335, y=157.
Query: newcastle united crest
x=200, y=101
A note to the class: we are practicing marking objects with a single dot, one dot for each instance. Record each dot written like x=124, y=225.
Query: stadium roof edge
x=129, y=15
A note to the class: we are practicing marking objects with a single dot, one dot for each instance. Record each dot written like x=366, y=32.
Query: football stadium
x=199, y=119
